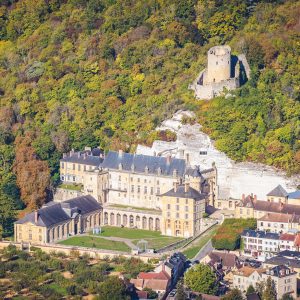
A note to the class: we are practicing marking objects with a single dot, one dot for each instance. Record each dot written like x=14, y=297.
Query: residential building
x=73, y=165
x=58, y=220
x=174, y=266
x=278, y=201
x=285, y=280
x=278, y=194
x=158, y=282
x=246, y=276
x=278, y=222
x=286, y=257
x=288, y=241
x=260, y=244
x=182, y=211
x=294, y=198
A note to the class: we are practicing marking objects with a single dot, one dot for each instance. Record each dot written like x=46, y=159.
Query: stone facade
x=182, y=211
x=56, y=221
x=222, y=72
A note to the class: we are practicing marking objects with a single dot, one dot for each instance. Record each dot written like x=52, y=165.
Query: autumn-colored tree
x=33, y=174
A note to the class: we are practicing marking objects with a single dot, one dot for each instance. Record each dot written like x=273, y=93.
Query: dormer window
x=175, y=173
x=146, y=169
x=132, y=167
x=120, y=166
x=159, y=171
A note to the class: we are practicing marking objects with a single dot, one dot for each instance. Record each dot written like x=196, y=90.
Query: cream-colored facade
x=130, y=188
x=56, y=221
x=182, y=211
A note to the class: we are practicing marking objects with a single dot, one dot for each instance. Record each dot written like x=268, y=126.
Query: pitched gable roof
x=279, y=191
x=181, y=193
x=56, y=212
x=227, y=259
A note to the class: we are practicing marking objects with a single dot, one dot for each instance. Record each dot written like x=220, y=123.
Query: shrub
x=228, y=235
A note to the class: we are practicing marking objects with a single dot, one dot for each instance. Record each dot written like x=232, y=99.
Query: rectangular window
x=186, y=201
x=157, y=182
x=145, y=181
x=151, y=191
x=84, y=168
x=62, y=165
x=138, y=189
x=74, y=178
x=169, y=206
x=158, y=190
x=79, y=167
x=186, y=208
x=177, y=200
x=145, y=190
x=177, y=215
x=73, y=166
x=132, y=189
x=186, y=216
x=177, y=207
x=138, y=179
x=120, y=178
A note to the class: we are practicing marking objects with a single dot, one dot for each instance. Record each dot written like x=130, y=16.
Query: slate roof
x=87, y=157
x=279, y=191
x=193, y=172
x=54, y=213
x=139, y=162
x=260, y=234
x=279, y=271
x=289, y=258
x=181, y=193
x=294, y=195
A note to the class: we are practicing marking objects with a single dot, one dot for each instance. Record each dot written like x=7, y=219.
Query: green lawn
x=194, y=248
x=157, y=243
x=74, y=187
x=154, y=238
x=95, y=242
x=129, y=233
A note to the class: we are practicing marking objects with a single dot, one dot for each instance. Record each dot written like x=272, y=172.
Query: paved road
x=207, y=248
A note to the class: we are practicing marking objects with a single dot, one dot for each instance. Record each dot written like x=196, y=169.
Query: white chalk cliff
x=234, y=179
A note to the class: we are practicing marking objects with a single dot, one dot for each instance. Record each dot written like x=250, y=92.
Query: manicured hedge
x=228, y=235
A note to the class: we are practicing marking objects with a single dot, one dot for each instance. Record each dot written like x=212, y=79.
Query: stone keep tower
x=222, y=73
x=218, y=64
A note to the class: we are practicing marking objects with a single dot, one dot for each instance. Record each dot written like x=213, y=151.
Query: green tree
x=269, y=292
x=250, y=290
x=234, y=294
x=201, y=279
x=112, y=288
x=180, y=295
x=287, y=297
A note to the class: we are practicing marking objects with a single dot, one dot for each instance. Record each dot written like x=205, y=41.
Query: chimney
x=72, y=152
x=255, y=198
x=243, y=197
x=84, y=155
x=187, y=158
x=175, y=186
x=36, y=216
x=120, y=153
x=64, y=155
x=78, y=154
x=168, y=159
x=186, y=187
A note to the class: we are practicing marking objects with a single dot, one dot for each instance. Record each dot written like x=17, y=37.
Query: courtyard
x=121, y=239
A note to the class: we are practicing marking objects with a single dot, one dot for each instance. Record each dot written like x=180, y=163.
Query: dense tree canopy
x=107, y=72
x=201, y=279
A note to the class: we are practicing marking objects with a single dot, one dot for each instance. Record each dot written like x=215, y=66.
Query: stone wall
x=65, y=194
x=93, y=253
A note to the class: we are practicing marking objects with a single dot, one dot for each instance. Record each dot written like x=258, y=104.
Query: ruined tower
x=218, y=64
x=222, y=73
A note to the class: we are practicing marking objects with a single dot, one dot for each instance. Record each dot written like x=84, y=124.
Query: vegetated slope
x=107, y=72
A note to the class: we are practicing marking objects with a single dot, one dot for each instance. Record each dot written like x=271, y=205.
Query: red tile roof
x=152, y=275
x=287, y=237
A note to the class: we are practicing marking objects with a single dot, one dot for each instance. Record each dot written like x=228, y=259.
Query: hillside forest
x=77, y=73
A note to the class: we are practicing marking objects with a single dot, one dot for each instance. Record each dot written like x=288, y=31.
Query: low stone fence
x=92, y=252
